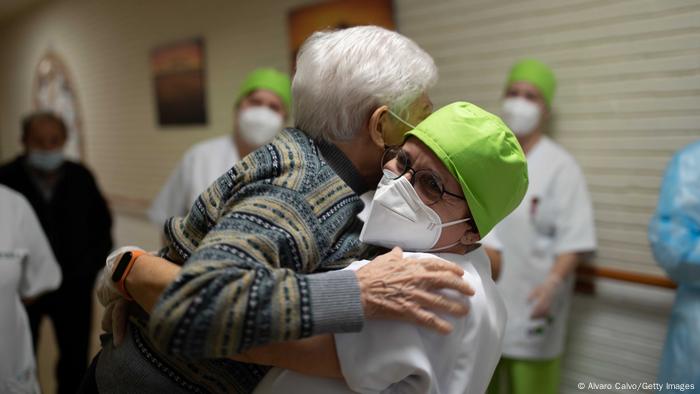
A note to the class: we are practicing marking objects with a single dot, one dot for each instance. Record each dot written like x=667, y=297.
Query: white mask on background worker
x=259, y=125
x=262, y=107
x=528, y=97
x=521, y=115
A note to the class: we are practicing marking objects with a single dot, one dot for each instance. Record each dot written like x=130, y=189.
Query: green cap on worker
x=536, y=73
x=268, y=79
x=483, y=155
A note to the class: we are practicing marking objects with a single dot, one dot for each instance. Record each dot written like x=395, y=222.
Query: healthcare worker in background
x=261, y=109
x=674, y=234
x=541, y=242
x=28, y=268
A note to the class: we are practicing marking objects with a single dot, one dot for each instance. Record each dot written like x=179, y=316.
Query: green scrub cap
x=268, y=79
x=483, y=155
x=536, y=73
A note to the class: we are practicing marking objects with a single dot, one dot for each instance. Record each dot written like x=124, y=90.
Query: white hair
x=343, y=76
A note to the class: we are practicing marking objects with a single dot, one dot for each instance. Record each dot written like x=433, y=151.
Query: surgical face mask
x=45, y=160
x=398, y=217
x=521, y=115
x=259, y=125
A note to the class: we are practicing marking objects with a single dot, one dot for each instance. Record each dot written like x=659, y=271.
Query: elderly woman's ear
x=470, y=237
x=377, y=126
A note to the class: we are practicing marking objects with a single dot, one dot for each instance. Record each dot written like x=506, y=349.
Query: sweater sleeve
x=243, y=284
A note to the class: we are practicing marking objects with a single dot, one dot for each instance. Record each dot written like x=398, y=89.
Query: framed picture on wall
x=178, y=79
x=336, y=14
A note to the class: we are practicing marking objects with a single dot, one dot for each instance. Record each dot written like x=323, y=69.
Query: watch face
x=121, y=267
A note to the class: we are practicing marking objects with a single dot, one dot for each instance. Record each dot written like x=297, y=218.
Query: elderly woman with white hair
x=257, y=259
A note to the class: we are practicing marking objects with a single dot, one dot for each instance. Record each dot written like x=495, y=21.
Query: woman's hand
x=543, y=295
x=115, y=315
x=397, y=288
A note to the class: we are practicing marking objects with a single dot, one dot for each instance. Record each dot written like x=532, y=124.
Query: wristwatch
x=122, y=269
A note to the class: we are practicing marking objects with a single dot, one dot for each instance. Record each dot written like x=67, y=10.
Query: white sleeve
x=172, y=200
x=575, y=228
x=373, y=361
x=40, y=271
x=491, y=240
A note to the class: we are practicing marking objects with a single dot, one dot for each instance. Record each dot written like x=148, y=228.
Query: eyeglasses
x=426, y=182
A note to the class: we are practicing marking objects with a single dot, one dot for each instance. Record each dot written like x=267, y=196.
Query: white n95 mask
x=398, y=217
x=259, y=125
x=521, y=115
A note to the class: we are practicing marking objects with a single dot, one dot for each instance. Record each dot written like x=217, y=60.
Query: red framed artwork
x=337, y=14
x=178, y=77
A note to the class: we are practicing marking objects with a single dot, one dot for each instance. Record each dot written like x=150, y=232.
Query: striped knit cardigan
x=247, y=248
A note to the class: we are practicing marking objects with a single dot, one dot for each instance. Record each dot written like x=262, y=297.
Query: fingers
x=540, y=311
x=439, y=303
x=106, y=323
x=434, y=281
x=438, y=265
x=533, y=295
x=428, y=319
x=103, y=291
x=119, y=321
x=396, y=251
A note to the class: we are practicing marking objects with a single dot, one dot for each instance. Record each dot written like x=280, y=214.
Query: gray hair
x=343, y=76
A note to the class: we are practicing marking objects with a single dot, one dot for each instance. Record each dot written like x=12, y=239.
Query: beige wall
x=106, y=46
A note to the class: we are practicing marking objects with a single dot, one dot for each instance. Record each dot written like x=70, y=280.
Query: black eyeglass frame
x=401, y=153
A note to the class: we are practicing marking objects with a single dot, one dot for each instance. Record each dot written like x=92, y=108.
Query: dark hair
x=474, y=227
x=28, y=120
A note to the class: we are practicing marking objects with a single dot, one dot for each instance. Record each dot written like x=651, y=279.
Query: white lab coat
x=200, y=166
x=27, y=269
x=400, y=357
x=555, y=217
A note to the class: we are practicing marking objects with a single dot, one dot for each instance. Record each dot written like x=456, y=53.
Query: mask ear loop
x=441, y=225
x=400, y=119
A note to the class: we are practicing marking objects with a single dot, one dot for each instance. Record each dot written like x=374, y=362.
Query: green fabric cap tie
x=483, y=155
x=536, y=73
x=268, y=79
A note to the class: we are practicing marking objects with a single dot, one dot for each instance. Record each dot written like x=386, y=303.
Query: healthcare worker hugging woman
x=258, y=258
x=458, y=173
x=541, y=242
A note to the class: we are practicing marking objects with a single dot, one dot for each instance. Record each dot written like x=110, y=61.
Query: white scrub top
x=201, y=165
x=27, y=269
x=399, y=357
x=554, y=217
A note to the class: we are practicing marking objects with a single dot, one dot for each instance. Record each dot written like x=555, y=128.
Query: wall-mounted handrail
x=625, y=276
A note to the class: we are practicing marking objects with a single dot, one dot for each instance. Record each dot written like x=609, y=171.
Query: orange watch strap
x=121, y=284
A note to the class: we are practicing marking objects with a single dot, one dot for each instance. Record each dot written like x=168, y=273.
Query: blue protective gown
x=674, y=234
